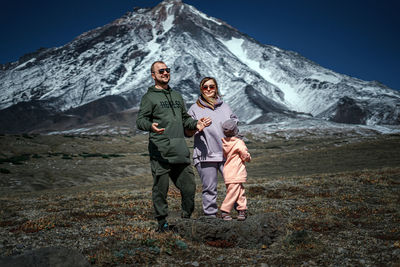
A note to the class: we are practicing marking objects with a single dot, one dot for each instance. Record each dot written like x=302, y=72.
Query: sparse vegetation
x=4, y=170
x=340, y=199
x=27, y=136
x=65, y=156
x=100, y=155
x=16, y=160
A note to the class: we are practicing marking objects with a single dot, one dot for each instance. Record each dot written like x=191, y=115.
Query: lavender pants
x=208, y=172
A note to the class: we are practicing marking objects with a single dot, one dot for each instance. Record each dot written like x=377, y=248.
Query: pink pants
x=234, y=194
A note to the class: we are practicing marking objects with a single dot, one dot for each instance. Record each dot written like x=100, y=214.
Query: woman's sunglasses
x=211, y=87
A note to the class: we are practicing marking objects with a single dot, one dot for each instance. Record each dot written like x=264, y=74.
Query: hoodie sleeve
x=191, y=112
x=187, y=120
x=144, y=117
x=243, y=151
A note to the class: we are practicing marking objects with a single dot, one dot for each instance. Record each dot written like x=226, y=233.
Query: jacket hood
x=228, y=143
x=218, y=103
x=156, y=90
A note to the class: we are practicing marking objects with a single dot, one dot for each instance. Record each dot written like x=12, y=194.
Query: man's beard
x=162, y=82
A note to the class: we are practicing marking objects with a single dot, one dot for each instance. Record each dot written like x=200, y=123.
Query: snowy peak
x=261, y=83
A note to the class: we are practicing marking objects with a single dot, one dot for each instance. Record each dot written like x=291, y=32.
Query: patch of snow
x=25, y=63
x=325, y=77
x=169, y=22
x=204, y=16
x=235, y=47
x=292, y=128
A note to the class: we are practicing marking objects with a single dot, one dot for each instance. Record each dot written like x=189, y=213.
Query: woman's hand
x=155, y=129
x=203, y=123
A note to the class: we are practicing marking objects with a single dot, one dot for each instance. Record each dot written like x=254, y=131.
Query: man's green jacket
x=167, y=108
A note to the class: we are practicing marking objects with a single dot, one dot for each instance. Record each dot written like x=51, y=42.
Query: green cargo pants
x=183, y=177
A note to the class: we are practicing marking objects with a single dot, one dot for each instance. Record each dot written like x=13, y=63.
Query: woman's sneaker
x=226, y=216
x=242, y=215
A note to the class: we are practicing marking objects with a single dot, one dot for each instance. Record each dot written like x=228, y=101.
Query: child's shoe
x=242, y=215
x=225, y=216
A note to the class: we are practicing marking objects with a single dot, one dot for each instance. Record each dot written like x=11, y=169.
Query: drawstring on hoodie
x=169, y=101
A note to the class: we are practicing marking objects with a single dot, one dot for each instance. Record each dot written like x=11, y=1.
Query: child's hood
x=229, y=143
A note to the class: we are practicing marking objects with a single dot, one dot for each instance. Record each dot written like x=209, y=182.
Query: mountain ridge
x=257, y=80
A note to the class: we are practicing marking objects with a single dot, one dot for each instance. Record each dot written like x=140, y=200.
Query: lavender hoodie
x=208, y=143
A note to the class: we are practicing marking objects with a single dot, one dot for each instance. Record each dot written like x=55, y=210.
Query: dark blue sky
x=359, y=38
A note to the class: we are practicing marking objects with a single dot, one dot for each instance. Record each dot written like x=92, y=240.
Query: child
x=235, y=153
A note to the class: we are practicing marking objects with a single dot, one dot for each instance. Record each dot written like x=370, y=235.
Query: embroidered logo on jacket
x=166, y=104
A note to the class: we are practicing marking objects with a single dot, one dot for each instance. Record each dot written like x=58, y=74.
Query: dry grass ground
x=339, y=197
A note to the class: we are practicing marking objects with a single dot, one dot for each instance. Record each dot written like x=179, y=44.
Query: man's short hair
x=152, y=65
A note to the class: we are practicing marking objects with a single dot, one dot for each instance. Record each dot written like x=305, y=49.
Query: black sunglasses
x=161, y=71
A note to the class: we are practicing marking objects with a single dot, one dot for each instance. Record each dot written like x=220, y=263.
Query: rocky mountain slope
x=106, y=71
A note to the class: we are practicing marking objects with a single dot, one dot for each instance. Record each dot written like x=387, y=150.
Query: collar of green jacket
x=156, y=90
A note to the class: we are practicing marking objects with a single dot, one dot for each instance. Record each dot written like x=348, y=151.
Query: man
x=163, y=113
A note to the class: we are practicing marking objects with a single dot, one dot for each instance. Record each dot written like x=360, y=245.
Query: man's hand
x=203, y=123
x=155, y=129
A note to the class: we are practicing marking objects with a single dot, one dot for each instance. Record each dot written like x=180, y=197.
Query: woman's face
x=209, y=88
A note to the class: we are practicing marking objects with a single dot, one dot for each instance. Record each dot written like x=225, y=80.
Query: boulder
x=256, y=231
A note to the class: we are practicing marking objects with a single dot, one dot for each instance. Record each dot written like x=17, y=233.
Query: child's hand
x=248, y=158
x=245, y=157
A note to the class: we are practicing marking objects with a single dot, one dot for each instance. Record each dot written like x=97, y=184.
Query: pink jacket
x=236, y=153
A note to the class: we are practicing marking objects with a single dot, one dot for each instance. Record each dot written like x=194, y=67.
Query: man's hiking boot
x=165, y=227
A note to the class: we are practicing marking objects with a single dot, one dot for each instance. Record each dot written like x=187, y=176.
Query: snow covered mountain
x=107, y=70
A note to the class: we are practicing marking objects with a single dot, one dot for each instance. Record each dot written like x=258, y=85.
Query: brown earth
x=339, y=199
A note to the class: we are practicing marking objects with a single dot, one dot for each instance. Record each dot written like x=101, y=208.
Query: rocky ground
x=312, y=202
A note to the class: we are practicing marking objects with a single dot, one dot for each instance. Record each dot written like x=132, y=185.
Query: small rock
x=298, y=237
x=195, y=263
x=180, y=244
x=396, y=252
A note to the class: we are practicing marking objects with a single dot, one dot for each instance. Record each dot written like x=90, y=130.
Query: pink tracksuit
x=235, y=174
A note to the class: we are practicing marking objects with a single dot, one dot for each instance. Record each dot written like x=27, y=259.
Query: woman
x=207, y=155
